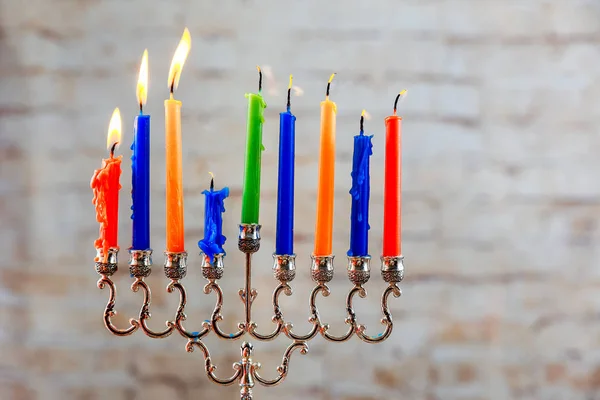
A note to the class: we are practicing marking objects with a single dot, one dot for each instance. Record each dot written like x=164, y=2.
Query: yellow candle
x=325, y=193
x=174, y=201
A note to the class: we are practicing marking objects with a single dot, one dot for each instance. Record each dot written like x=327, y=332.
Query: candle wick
x=329, y=84
x=289, y=93
x=397, y=99
x=172, y=87
x=141, y=108
x=112, y=149
x=396, y=102
x=259, y=79
x=362, y=123
x=212, y=184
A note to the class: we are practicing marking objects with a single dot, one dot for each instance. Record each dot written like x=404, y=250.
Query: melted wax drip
x=100, y=185
x=213, y=236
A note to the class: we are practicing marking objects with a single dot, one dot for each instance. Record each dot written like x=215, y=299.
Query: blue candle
x=213, y=221
x=140, y=167
x=360, y=192
x=284, y=241
x=140, y=183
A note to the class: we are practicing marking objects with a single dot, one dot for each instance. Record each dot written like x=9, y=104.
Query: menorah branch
x=107, y=268
x=209, y=366
x=282, y=370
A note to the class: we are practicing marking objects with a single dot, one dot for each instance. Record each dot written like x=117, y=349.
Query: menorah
x=284, y=269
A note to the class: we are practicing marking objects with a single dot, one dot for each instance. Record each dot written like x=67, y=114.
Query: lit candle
x=105, y=185
x=325, y=191
x=284, y=242
x=392, y=206
x=213, y=220
x=360, y=192
x=140, y=166
x=254, y=148
x=174, y=200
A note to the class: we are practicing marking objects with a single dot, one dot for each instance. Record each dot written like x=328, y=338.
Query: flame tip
x=181, y=53
x=142, y=84
x=113, y=138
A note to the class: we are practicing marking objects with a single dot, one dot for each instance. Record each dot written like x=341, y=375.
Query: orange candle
x=392, y=193
x=325, y=191
x=105, y=185
x=174, y=187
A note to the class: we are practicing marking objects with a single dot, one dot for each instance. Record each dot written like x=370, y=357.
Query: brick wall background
x=501, y=194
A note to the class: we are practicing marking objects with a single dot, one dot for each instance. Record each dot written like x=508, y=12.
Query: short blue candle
x=284, y=239
x=213, y=221
x=360, y=192
x=140, y=183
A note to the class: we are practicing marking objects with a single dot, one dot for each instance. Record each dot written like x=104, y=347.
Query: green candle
x=254, y=148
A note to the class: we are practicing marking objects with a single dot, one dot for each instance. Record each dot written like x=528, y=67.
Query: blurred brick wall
x=501, y=192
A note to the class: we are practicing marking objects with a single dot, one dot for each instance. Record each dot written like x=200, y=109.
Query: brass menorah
x=284, y=269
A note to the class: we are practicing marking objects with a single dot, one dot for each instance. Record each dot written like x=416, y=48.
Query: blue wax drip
x=360, y=193
x=213, y=222
x=284, y=238
x=140, y=183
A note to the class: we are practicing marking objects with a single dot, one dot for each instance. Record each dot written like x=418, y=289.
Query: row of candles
x=106, y=180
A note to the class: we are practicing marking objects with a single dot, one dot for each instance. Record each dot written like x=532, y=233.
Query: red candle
x=392, y=198
x=105, y=185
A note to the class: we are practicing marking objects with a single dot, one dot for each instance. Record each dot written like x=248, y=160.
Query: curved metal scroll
x=109, y=311
x=145, y=311
x=282, y=370
x=277, y=315
x=209, y=366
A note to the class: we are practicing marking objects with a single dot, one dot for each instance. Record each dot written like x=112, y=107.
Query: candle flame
x=291, y=79
x=179, y=58
x=403, y=93
x=212, y=176
x=331, y=77
x=114, y=130
x=142, y=84
x=366, y=115
x=298, y=91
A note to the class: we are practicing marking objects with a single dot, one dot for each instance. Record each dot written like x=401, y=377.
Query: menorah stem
x=248, y=290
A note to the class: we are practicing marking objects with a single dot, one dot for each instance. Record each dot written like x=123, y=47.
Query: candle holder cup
x=284, y=269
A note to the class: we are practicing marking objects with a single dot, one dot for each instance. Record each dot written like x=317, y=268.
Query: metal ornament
x=284, y=269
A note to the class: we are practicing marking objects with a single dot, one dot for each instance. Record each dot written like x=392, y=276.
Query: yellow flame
x=291, y=79
x=331, y=77
x=403, y=93
x=179, y=58
x=258, y=68
x=212, y=176
x=362, y=114
x=114, y=129
x=142, y=84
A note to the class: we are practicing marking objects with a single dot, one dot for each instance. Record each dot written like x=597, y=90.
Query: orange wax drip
x=325, y=191
x=392, y=200
x=174, y=201
x=105, y=185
